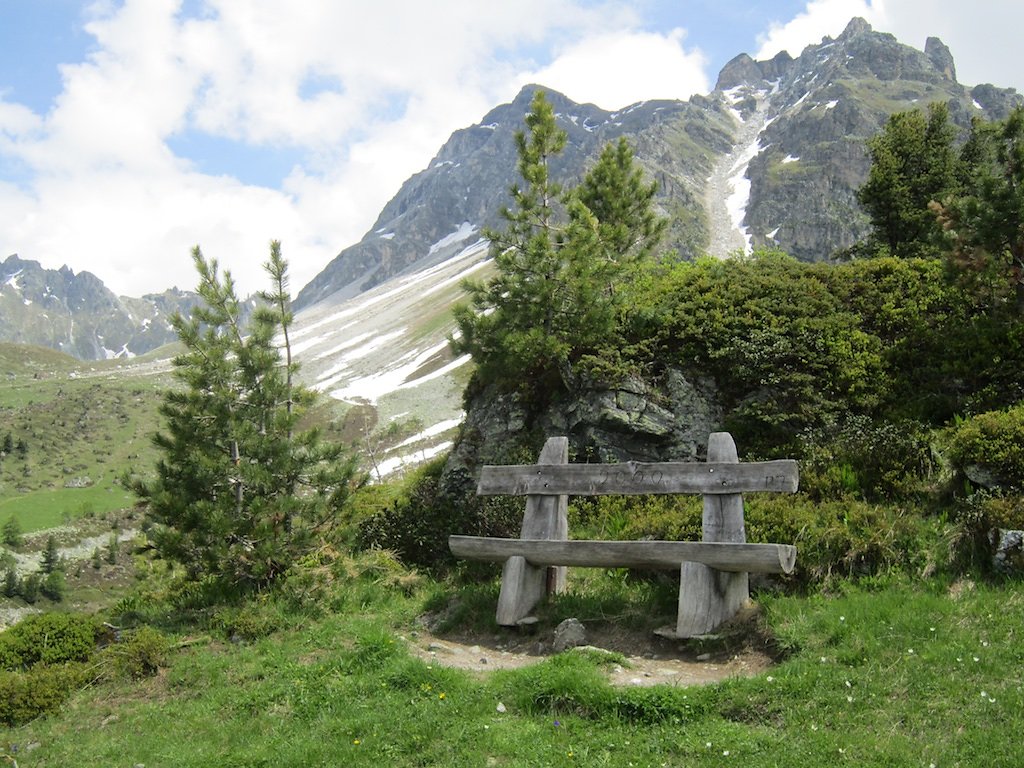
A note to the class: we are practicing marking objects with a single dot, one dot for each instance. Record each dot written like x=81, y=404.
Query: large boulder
x=636, y=420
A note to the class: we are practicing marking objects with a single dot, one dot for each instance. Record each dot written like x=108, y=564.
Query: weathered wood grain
x=724, y=556
x=523, y=584
x=708, y=597
x=634, y=478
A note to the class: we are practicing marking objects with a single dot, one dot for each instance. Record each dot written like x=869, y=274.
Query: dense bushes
x=416, y=527
x=46, y=657
x=833, y=538
x=989, y=448
x=48, y=638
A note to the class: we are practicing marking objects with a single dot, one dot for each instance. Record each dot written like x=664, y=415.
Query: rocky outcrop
x=669, y=420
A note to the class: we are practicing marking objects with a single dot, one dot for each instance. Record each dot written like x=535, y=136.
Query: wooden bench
x=713, y=583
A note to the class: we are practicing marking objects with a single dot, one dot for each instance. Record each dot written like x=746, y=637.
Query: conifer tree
x=240, y=493
x=913, y=164
x=12, y=532
x=553, y=300
x=51, y=556
x=986, y=223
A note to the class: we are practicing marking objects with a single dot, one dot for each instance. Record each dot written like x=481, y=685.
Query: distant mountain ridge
x=773, y=156
x=78, y=315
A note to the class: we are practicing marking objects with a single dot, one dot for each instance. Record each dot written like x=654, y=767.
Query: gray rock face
x=1009, y=554
x=668, y=420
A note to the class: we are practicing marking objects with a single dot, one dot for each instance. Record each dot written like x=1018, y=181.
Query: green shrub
x=249, y=622
x=417, y=526
x=37, y=691
x=48, y=638
x=990, y=446
x=978, y=518
x=868, y=459
x=138, y=653
x=833, y=538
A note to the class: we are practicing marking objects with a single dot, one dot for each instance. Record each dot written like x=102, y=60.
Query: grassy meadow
x=897, y=669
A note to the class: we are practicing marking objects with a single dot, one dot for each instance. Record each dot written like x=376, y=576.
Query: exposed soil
x=739, y=650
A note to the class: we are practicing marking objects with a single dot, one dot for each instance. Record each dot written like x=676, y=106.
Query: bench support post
x=709, y=597
x=546, y=517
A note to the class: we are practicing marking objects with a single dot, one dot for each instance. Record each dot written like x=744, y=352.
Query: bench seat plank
x=753, y=558
x=635, y=478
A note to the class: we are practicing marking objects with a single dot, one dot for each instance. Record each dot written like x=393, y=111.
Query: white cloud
x=592, y=70
x=364, y=93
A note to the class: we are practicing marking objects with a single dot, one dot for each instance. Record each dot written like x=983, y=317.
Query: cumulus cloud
x=362, y=94
x=592, y=70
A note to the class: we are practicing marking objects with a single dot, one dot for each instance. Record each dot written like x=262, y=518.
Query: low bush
x=138, y=653
x=417, y=526
x=48, y=638
x=989, y=448
x=836, y=538
x=866, y=459
x=28, y=694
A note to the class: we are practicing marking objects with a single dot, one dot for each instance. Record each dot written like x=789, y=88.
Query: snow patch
x=359, y=339
x=830, y=104
x=332, y=375
x=388, y=236
x=390, y=466
x=373, y=387
x=13, y=280
x=438, y=429
x=976, y=104
x=739, y=186
x=790, y=159
x=464, y=232
x=771, y=235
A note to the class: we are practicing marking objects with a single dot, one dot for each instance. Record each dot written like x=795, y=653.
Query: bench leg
x=522, y=587
x=708, y=598
x=546, y=517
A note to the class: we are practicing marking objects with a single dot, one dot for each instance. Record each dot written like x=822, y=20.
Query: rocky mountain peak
x=941, y=57
x=77, y=314
x=857, y=27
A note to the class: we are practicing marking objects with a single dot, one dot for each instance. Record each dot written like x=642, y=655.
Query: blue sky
x=131, y=130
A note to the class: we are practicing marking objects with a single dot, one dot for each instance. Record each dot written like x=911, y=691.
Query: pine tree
x=12, y=532
x=11, y=584
x=554, y=300
x=913, y=164
x=986, y=224
x=51, y=556
x=239, y=492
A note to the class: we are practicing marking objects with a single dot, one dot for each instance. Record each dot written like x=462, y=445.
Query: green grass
x=96, y=424
x=897, y=674
x=39, y=510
